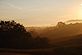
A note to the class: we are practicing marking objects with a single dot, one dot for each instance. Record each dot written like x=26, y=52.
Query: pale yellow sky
x=40, y=12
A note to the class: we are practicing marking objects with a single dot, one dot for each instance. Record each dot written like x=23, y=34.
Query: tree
x=60, y=24
x=13, y=35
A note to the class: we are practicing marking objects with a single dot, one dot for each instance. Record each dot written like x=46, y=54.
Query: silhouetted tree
x=60, y=24
x=13, y=35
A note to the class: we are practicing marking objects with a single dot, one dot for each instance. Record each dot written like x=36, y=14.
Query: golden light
x=81, y=4
x=80, y=11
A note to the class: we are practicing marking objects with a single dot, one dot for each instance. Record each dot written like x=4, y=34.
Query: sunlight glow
x=80, y=12
x=81, y=4
x=40, y=12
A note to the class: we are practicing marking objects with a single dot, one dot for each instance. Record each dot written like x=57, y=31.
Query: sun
x=80, y=12
x=81, y=4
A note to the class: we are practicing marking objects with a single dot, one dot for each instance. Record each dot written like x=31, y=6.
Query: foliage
x=14, y=35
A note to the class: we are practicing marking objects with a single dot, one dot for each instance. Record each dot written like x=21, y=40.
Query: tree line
x=14, y=35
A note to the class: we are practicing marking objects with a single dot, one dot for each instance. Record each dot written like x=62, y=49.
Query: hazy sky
x=40, y=12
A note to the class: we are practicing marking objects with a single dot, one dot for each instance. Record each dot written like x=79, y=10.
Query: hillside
x=57, y=32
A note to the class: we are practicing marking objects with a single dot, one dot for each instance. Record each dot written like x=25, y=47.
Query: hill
x=58, y=32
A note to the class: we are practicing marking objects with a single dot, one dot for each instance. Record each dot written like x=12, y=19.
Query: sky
x=40, y=12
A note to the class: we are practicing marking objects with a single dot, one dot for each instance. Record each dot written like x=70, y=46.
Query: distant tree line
x=14, y=35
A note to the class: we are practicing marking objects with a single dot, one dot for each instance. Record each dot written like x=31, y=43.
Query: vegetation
x=62, y=39
x=59, y=32
x=66, y=39
x=14, y=35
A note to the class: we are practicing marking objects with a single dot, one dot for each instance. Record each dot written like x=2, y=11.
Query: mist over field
x=40, y=27
x=63, y=39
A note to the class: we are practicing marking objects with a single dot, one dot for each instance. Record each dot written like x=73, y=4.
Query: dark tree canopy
x=12, y=34
x=11, y=26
